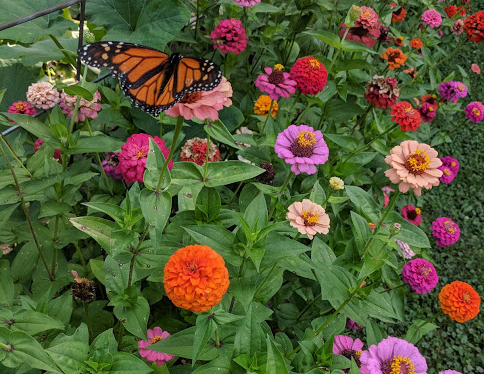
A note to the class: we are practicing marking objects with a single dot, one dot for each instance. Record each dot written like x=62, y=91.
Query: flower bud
x=336, y=183
x=355, y=12
x=395, y=229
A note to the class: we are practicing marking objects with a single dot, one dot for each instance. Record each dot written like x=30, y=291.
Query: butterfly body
x=151, y=79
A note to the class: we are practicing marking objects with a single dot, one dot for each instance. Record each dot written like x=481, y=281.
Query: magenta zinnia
x=229, y=36
x=421, y=275
x=302, y=148
x=276, y=83
x=475, y=111
x=445, y=231
x=412, y=214
x=154, y=336
x=347, y=347
x=21, y=107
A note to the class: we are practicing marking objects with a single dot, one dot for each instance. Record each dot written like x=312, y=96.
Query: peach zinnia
x=460, y=301
x=308, y=218
x=196, y=278
x=415, y=165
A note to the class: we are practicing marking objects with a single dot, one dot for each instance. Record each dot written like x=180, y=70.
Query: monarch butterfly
x=151, y=79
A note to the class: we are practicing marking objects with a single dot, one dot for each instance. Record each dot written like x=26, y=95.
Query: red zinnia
x=407, y=117
x=310, y=74
x=382, y=92
x=399, y=15
x=452, y=10
x=474, y=27
x=416, y=43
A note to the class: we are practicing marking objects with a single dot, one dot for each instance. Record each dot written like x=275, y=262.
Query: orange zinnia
x=416, y=43
x=395, y=57
x=196, y=278
x=460, y=301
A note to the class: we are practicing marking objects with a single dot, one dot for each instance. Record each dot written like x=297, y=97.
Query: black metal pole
x=81, y=36
x=38, y=14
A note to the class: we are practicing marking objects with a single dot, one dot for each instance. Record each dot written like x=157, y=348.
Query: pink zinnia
x=247, y=3
x=42, y=95
x=229, y=36
x=345, y=346
x=302, y=148
x=450, y=168
x=379, y=359
x=308, y=218
x=353, y=325
x=38, y=143
x=368, y=19
x=458, y=27
x=110, y=165
x=412, y=214
x=421, y=275
x=360, y=34
x=21, y=107
x=154, y=336
x=450, y=372
x=427, y=112
x=445, y=231
x=432, y=18
x=87, y=109
x=203, y=104
x=132, y=159
x=475, y=111
x=276, y=83
x=476, y=69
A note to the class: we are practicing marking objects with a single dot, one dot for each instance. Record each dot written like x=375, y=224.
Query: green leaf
x=154, y=165
x=218, y=131
x=361, y=229
x=317, y=194
x=34, y=126
x=134, y=318
x=249, y=337
x=187, y=174
x=99, y=229
x=340, y=111
x=256, y=214
x=335, y=282
x=112, y=210
x=321, y=254
x=127, y=363
x=353, y=65
x=352, y=46
x=33, y=322
x=374, y=258
x=97, y=267
x=117, y=276
x=206, y=327
x=227, y=172
x=98, y=142
x=156, y=209
x=221, y=365
x=275, y=360
x=77, y=90
x=362, y=200
x=409, y=233
x=347, y=142
x=7, y=290
x=70, y=356
x=379, y=306
x=415, y=333
x=153, y=23
x=278, y=247
x=208, y=205
x=327, y=37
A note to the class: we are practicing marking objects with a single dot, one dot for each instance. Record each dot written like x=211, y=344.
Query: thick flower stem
x=281, y=191
x=307, y=307
x=4, y=140
x=81, y=257
x=88, y=321
x=5, y=347
x=205, y=167
x=178, y=127
x=450, y=54
x=267, y=119
x=428, y=320
x=217, y=338
x=361, y=119
x=27, y=215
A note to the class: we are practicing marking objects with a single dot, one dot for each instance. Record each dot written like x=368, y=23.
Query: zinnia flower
x=431, y=99
x=475, y=111
x=360, y=34
x=452, y=10
x=229, y=36
x=336, y=183
x=451, y=162
x=452, y=90
x=310, y=75
x=247, y=3
x=154, y=336
x=476, y=69
x=395, y=57
x=353, y=325
x=407, y=117
x=87, y=109
x=267, y=177
x=432, y=18
x=195, y=150
x=399, y=41
x=474, y=27
x=302, y=147
x=384, y=38
x=368, y=19
x=458, y=27
x=445, y=231
x=133, y=155
x=412, y=214
x=203, y=104
x=406, y=250
x=392, y=356
x=399, y=15
x=450, y=168
x=421, y=275
x=308, y=218
x=415, y=165
x=38, y=143
x=416, y=43
x=347, y=347
x=460, y=301
x=276, y=83
x=196, y=278
x=21, y=107
x=263, y=104
x=110, y=165
x=427, y=112
x=450, y=372
x=382, y=92
x=42, y=95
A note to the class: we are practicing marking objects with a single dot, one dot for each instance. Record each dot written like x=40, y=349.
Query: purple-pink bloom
x=154, y=336
x=452, y=90
x=406, y=250
x=345, y=346
x=353, y=325
x=450, y=372
x=110, y=165
x=229, y=36
x=421, y=275
x=38, y=143
x=475, y=111
x=399, y=353
x=432, y=18
x=449, y=167
x=302, y=148
x=87, y=109
x=133, y=155
x=427, y=112
x=247, y=3
x=445, y=231
x=451, y=162
x=458, y=27
x=21, y=107
x=276, y=83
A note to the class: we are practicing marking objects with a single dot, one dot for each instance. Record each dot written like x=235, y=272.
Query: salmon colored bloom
x=416, y=43
x=308, y=217
x=476, y=69
x=263, y=104
x=415, y=165
x=196, y=278
x=395, y=57
x=460, y=301
x=408, y=118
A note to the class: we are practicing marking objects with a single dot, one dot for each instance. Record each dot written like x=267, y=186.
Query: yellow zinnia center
x=306, y=139
x=449, y=227
x=418, y=211
x=310, y=217
x=139, y=154
x=476, y=112
x=402, y=365
x=279, y=67
x=156, y=339
x=315, y=64
x=447, y=172
x=417, y=162
x=461, y=87
x=20, y=106
x=466, y=297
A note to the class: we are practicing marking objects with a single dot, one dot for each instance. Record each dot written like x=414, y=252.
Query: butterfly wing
x=153, y=80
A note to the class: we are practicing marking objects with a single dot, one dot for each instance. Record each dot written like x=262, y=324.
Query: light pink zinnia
x=133, y=155
x=345, y=346
x=421, y=275
x=247, y=3
x=276, y=83
x=308, y=217
x=302, y=148
x=203, y=104
x=42, y=95
x=368, y=19
x=415, y=165
x=476, y=69
x=432, y=18
x=87, y=109
x=154, y=336
x=446, y=231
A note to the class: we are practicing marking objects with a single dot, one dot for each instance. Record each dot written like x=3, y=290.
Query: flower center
x=279, y=67
x=348, y=353
x=398, y=365
x=191, y=98
x=276, y=77
x=425, y=271
x=303, y=145
x=452, y=163
x=366, y=14
x=449, y=227
x=430, y=109
x=156, y=339
x=140, y=154
x=476, y=112
x=418, y=211
x=461, y=87
x=409, y=111
x=446, y=171
x=315, y=64
x=412, y=214
x=417, y=162
x=392, y=57
x=20, y=106
x=192, y=267
x=310, y=217
x=466, y=297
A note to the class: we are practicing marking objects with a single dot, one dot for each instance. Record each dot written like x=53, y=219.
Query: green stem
x=281, y=191
x=81, y=257
x=120, y=335
x=6, y=347
x=338, y=51
x=27, y=215
x=298, y=235
x=327, y=198
x=196, y=21
x=383, y=6
x=267, y=119
x=429, y=320
x=78, y=101
x=4, y=140
x=306, y=308
x=266, y=278
x=235, y=193
x=451, y=54
x=394, y=288
x=205, y=167
x=54, y=249
x=178, y=127
x=88, y=321
x=217, y=338
x=293, y=104
x=361, y=119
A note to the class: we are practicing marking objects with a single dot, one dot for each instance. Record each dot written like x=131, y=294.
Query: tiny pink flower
x=21, y=107
x=87, y=109
x=154, y=336
x=476, y=69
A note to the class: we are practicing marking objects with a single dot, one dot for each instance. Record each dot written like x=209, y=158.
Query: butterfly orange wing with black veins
x=153, y=80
